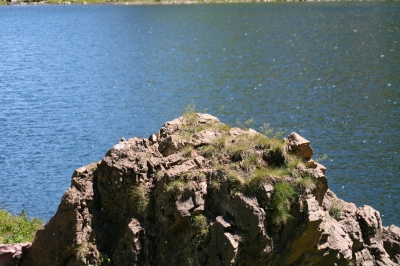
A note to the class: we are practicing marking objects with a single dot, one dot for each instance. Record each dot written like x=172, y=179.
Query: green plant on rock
x=335, y=209
x=187, y=151
x=239, y=147
x=193, y=125
x=236, y=182
x=200, y=225
x=104, y=260
x=208, y=151
x=83, y=249
x=190, y=113
x=250, y=162
x=269, y=144
x=306, y=183
x=292, y=161
x=258, y=178
x=17, y=228
x=279, y=207
x=178, y=186
x=139, y=199
x=192, y=175
x=262, y=176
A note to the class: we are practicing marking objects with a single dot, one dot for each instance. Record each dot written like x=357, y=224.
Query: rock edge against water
x=201, y=193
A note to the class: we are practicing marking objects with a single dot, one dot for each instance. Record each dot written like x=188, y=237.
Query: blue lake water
x=75, y=79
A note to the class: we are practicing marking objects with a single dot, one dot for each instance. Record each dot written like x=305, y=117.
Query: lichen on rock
x=202, y=193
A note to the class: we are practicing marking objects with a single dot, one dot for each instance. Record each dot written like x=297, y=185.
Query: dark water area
x=75, y=79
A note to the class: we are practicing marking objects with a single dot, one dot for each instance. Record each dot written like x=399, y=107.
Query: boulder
x=299, y=145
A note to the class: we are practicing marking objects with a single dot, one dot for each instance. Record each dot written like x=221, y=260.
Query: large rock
x=299, y=145
x=195, y=194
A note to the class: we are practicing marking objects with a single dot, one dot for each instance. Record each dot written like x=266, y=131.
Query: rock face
x=201, y=193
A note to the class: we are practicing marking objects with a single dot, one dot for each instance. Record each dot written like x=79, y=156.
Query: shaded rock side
x=201, y=193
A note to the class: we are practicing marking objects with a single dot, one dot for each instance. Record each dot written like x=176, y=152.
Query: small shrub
x=215, y=184
x=17, y=229
x=200, y=224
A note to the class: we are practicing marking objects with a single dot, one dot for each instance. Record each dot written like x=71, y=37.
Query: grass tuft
x=190, y=114
x=140, y=201
x=292, y=161
x=239, y=147
x=336, y=209
x=187, y=151
x=306, y=183
x=178, y=186
x=279, y=207
x=250, y=162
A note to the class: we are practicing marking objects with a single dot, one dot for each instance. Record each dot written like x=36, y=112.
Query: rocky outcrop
x=201, y=193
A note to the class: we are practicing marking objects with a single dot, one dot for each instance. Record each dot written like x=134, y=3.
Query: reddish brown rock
x=11, y=253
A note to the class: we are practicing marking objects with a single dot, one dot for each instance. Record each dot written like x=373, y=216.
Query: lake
x=76, y=79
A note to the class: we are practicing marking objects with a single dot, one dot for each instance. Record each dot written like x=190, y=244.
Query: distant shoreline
x=174, y=2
